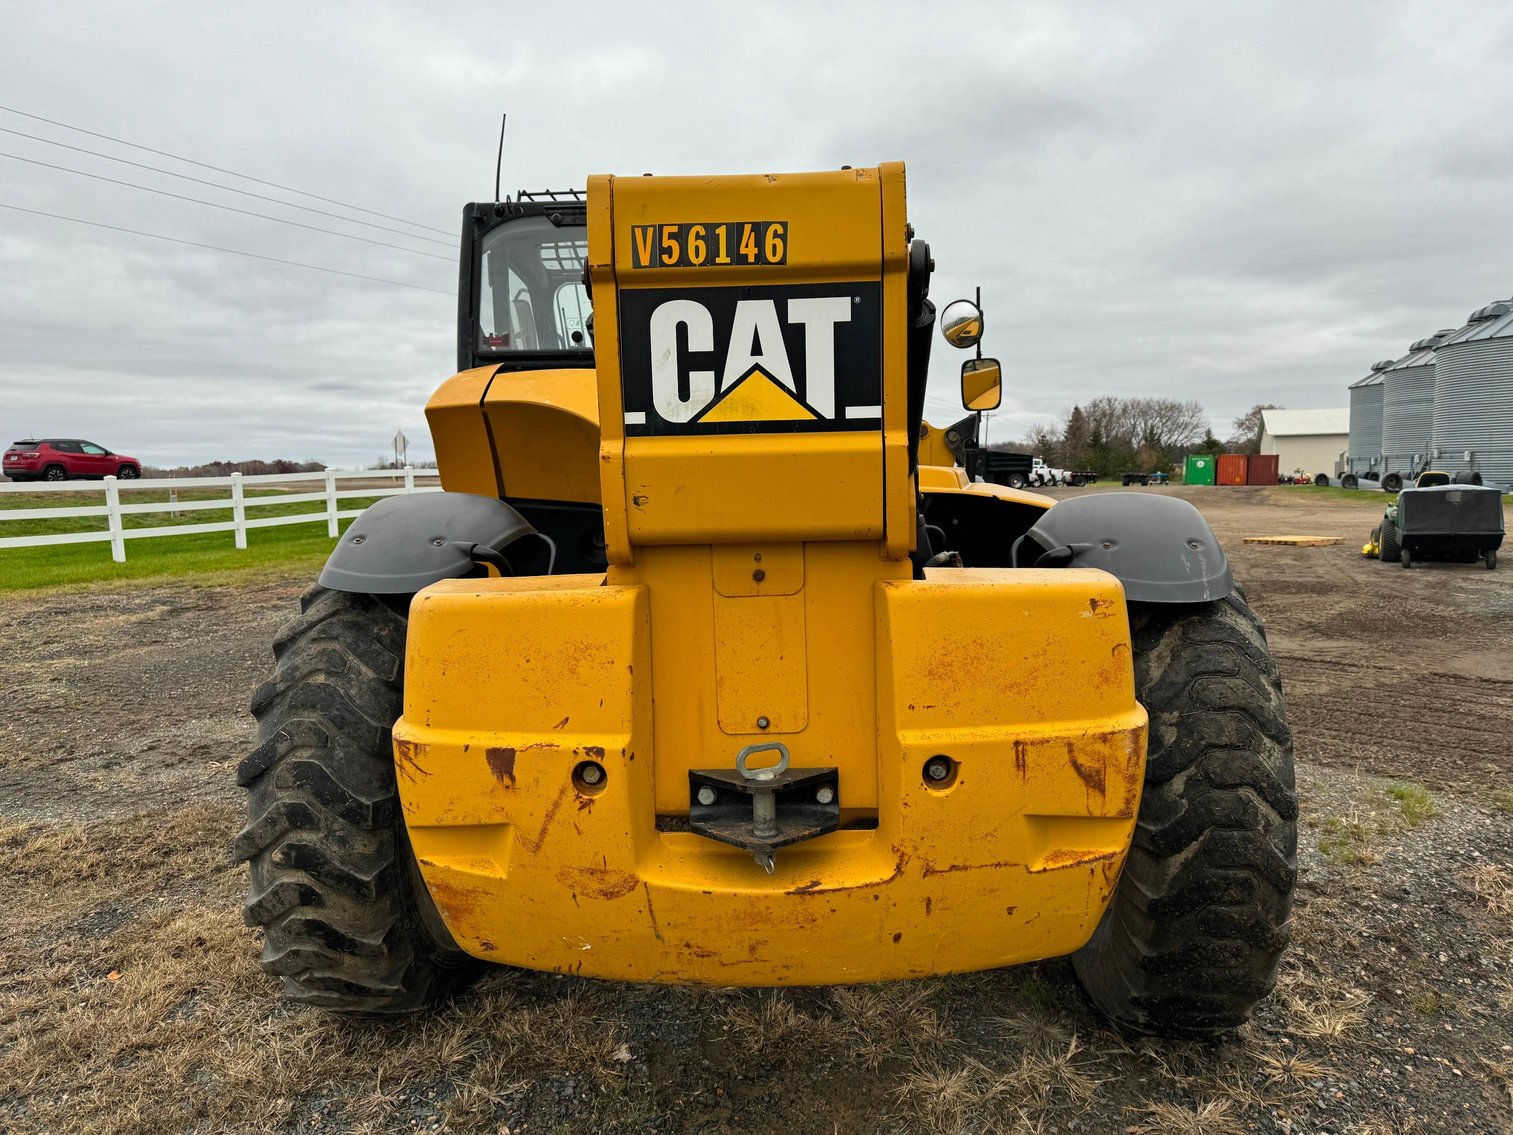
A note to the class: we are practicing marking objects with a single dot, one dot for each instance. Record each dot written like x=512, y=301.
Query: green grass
x=296, y=550
x=1501, y=800
x=1414, y=803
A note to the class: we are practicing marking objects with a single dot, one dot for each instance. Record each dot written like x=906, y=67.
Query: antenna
x=499, y=161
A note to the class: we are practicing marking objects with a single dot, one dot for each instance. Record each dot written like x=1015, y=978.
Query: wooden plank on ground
x=1296, y=541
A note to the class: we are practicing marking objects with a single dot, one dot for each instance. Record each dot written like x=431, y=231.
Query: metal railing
x=114, y=509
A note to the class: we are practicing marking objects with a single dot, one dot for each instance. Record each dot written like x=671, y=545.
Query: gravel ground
x=130, y=999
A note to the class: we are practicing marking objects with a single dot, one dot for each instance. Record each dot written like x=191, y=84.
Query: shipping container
x=1262, y=469
x=1231, y=469
x=1200, y=469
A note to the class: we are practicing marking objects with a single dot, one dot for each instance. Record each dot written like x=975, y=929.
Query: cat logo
x=751, y=360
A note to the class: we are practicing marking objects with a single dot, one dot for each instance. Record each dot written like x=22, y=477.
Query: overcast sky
x=1231, y=202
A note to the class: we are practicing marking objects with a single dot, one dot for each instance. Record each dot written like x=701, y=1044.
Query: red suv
x=63, y=459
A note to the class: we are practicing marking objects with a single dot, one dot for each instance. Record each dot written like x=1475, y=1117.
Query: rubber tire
x=1392, y=482
x=127, y=473
x=1349, y=481
x=1491, y=559
x=347, y=922
x=1199, y=919
x=1016, y=481
x=1405, y=557
x=1322, y=480
x=1078, y=482
x=55, y=473
x=1389, y=551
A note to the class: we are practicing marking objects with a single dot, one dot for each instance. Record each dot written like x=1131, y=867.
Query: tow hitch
x=764, y=809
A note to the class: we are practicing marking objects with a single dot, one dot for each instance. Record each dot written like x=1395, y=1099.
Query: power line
x=227, y=208
x=217, y=185
x=218, y=248
x=218, y=169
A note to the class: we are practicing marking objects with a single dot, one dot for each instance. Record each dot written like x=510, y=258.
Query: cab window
x=531, y=295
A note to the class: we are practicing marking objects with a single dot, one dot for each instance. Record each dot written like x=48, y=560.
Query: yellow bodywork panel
x=528, y=435
x=511, y=684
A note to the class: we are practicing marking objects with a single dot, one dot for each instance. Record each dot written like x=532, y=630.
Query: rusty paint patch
x=406, y=758
x=534, y=845
x=1095, y=777
x=898, y=937
x=814, y=887
x=1100, y=607
x=931, y=869
x=501, y=760
x=561, y=723
x=807, y=888
x=1072, y=857
x=928, y=905
x=595, y=751
x=598, y=882
x=1022, y=759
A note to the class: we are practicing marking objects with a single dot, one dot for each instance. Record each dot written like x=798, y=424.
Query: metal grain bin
x=1473, y=397
x=1231, y=469
x=1199, y=470
x=1262, y=469
x=1364, y=450
x=1408, y=407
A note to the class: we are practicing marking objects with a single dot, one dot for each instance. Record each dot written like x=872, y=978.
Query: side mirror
x=981, y=384
x=961, y=323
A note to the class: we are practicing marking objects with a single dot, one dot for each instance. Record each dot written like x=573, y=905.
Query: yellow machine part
x=759, y=589
x=529, y=435
x=511, y=683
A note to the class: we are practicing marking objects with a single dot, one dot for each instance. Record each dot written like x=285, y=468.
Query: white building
x=1310, y=440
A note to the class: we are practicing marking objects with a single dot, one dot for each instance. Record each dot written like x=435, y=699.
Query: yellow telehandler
x=700, y=671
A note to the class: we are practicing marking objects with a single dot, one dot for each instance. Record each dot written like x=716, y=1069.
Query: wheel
x=127, y=473
x=1405, y=557
x=1016, y=481
x=1078, y=482
x=1392, y=482
x=1349, y=481
x=1491, y=559
x=1321, y=479
x=55, y=473
x=1389, y=547
x=1198, y=922
x=347, y=922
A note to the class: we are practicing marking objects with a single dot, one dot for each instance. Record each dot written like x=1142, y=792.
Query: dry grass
x=1212, y=1117
x=1493, y=884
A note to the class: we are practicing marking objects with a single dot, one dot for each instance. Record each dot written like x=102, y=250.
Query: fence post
x=113, y=518
x=331, y=529
x=409, y=479
x=238, y=512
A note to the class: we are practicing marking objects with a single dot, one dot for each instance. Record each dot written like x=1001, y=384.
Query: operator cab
x=522, y=303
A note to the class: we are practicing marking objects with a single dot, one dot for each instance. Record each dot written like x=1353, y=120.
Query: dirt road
x=130, y=999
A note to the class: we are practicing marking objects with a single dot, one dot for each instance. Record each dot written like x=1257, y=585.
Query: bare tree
x=1247, y=435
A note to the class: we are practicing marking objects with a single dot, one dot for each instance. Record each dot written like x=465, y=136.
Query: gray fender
x=405, y=543
x=1160, y=548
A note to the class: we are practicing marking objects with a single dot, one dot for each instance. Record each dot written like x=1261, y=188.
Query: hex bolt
x=590, y=773
x=825, y=794
x=759, y=575
x=762, y=722
x=706, y=796
x=938, y=768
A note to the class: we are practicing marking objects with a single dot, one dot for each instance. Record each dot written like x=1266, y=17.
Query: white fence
x=113, y=509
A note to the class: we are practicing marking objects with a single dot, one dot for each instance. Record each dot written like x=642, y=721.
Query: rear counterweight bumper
x=512, y=685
